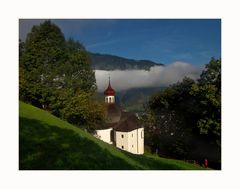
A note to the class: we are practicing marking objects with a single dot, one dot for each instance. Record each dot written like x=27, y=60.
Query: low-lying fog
x=157, y=76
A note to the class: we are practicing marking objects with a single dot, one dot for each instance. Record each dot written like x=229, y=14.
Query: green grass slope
x=49, y=143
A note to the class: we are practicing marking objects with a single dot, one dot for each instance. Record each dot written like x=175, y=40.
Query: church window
x=132, y=146
x=110, y=99
x=122, y=136
x=132, y=135
x=122, y=147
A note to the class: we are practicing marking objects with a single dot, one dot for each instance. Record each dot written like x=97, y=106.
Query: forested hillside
x=135, y=99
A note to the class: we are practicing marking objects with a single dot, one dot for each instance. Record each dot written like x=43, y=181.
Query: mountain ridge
x=113, y=62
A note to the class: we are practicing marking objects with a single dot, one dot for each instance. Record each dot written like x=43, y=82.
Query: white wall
x=104, y=135
x=121, y=142
x=140, y=140
x=132, y=141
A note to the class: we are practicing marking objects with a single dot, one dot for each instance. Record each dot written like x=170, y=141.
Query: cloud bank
x=157, y=76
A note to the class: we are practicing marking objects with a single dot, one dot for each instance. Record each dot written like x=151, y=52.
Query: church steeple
x=109, y=83
x=109, y=93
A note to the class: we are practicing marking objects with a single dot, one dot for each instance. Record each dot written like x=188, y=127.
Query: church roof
x=127, y=123
x=109, y=91
x=114, y=113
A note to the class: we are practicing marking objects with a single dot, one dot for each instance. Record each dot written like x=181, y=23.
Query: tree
x=56, y=75
x=43, y=53
x=191, y=111
x=77, y=70
x=167, y=119
x=85, y=111
x=166, y=133
x=212, y=73
x=208, y=95
x=21, y=48
x=49, y=63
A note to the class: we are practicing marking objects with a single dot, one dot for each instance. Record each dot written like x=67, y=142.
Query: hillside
x=133, y=100
x=48, y=143
x=111, y=62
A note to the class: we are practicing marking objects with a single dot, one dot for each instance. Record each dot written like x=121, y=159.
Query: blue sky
x=165, y=41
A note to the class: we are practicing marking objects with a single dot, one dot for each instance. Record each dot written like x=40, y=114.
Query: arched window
x=110, y=99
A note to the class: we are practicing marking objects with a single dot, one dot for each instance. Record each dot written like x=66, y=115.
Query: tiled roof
x=127, y=123
x=117, y=119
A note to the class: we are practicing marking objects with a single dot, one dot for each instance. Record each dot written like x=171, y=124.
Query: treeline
x=184, y=120
x=55, y=74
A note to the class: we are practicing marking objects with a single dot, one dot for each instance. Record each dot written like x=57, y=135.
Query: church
x=122, y=129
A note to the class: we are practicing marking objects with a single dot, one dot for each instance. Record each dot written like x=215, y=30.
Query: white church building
x=123, y=128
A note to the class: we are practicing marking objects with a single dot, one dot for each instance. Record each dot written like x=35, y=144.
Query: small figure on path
x=205, y=163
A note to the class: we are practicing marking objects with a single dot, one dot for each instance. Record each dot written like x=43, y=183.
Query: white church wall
x=121, y=139
x=104, y=135
x=136, y=141
x=132, y=141
x=140, y=140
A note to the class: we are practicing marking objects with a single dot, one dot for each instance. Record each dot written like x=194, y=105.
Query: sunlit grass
x=47, y=142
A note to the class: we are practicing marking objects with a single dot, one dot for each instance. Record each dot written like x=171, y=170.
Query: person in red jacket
x=205, y=163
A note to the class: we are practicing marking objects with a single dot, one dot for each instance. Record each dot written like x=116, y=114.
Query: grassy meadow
x=49, y=143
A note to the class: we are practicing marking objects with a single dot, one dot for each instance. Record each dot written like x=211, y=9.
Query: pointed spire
x=109, y=91
x=109, y=83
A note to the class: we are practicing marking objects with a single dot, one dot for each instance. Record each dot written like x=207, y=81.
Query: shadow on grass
x=48, y=147
x=151, y=163
x=161, y=164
